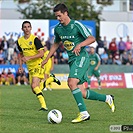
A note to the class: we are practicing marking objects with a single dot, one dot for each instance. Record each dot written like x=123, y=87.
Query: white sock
x=85, y=113
x=107, y=98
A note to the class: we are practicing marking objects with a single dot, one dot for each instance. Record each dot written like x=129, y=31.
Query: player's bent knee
x=72, y=84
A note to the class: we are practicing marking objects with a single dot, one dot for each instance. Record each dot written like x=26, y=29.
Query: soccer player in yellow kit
x=31, y=52
x=48, y=77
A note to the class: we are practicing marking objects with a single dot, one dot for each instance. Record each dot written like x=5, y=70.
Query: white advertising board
x=116, y=29
x=39, y=27
x=129, y=80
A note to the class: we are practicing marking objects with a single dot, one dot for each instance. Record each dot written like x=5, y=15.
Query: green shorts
x=79, y=69
x=92, y=72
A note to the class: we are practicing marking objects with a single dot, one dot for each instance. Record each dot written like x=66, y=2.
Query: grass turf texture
x=19, y=111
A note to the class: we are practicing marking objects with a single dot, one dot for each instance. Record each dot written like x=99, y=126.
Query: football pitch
x=19, y=111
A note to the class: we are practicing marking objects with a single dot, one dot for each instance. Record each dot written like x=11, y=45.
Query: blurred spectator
x=56, y=58
x=64, y=57
x=117, y=58
x=5, y=46
x=105, y=42
x=128, y=44
x=61, y=48
x=0, y=42
x=110, y=60
x=2, y=57
x=11, y=47
x=48, y=43
x=4, y=78
x=130, y=59
x=15, y=45
x=21, y=77
x=104, y=58
x=100, y=47
x=14, y=57
x=43, y=41
x=124, y=57
x=52, y=40
x=113, y=47
x=121, y=46
x=10, y=78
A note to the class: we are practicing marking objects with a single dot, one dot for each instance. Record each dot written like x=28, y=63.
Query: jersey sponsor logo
x=92, y=62
x=66, y=37
x=24, y=49
x=68, y=45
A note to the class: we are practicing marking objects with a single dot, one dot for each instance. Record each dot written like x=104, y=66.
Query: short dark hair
x=60, y=7
x=25, y=23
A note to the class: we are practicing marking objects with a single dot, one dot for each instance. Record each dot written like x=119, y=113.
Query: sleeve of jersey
x=83, y=30
x=19, y=48
x=98, y=57
x=57, y=38
x=38, y=44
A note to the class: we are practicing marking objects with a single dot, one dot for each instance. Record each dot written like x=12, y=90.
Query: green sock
x=99, y=82
x=95, y=96
x=79, y=99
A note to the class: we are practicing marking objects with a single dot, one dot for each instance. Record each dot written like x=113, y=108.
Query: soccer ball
x=54, y=116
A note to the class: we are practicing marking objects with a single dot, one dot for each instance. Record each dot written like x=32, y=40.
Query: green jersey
x=94, y=59
x=71, y=35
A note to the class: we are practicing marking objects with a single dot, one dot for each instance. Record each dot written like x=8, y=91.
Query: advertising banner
x=13, y=68
x=110, y=80
x=91, y=25
x=116, y=29
x=40, y=28
x=129, y=80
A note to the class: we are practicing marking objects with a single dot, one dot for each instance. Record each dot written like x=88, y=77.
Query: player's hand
x=51, y=69
x=43, y=63
x=95, y=68
x=77, y=50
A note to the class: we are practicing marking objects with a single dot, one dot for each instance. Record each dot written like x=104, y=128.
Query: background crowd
x=117, y=52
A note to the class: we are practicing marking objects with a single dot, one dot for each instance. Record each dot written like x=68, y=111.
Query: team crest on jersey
x=72, y=25
x=68, y=45
x=30, y=43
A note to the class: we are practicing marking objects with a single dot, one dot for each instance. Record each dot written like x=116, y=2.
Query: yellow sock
x=40, y=97
x=41, y=85
x=7, y=83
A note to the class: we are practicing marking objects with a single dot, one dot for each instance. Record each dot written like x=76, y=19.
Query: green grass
x=19, y=111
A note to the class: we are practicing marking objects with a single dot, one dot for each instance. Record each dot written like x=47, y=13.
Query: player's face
x=92, y=50
x=62, y=17
x=26, y=28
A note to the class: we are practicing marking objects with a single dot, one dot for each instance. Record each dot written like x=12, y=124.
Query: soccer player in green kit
x=75, y=36
x=95, y=62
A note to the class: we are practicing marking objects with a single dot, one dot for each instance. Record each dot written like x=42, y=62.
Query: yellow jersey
x=50, y=59
x=48, y=65
x=30, y=47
